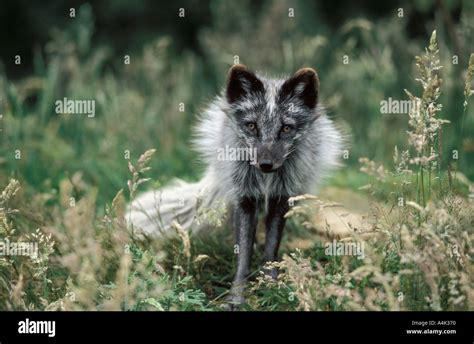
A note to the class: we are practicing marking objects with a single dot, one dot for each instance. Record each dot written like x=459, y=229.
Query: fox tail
x=153, y=213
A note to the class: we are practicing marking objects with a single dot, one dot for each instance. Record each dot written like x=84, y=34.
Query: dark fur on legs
x=245, y=225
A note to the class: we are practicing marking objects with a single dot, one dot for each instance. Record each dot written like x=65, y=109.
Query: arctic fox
x=292, y=146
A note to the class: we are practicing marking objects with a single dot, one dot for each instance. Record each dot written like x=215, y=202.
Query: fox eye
x=252, y=126
x=286, y=129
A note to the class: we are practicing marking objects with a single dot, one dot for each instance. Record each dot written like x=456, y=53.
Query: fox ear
x=303, y=85
x=241, y=82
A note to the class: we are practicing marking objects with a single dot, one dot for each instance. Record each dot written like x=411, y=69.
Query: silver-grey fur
x=313, y=152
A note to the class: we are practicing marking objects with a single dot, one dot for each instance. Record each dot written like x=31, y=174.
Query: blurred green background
x=183, y=60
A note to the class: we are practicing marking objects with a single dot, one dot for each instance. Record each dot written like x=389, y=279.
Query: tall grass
x=418, y=259
x=64, y=191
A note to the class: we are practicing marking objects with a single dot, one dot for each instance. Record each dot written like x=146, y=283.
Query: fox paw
x=234, y=303
x=272, y=272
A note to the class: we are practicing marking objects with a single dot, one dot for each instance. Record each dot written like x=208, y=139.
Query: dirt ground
x=351, y=213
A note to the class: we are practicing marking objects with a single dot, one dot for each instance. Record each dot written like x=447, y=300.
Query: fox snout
x=266, y=166
x=268, y=158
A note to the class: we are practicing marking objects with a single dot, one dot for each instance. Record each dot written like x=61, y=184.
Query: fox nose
x=266, y=165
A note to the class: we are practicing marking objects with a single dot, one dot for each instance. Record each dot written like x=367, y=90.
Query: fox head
x=271, y=115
